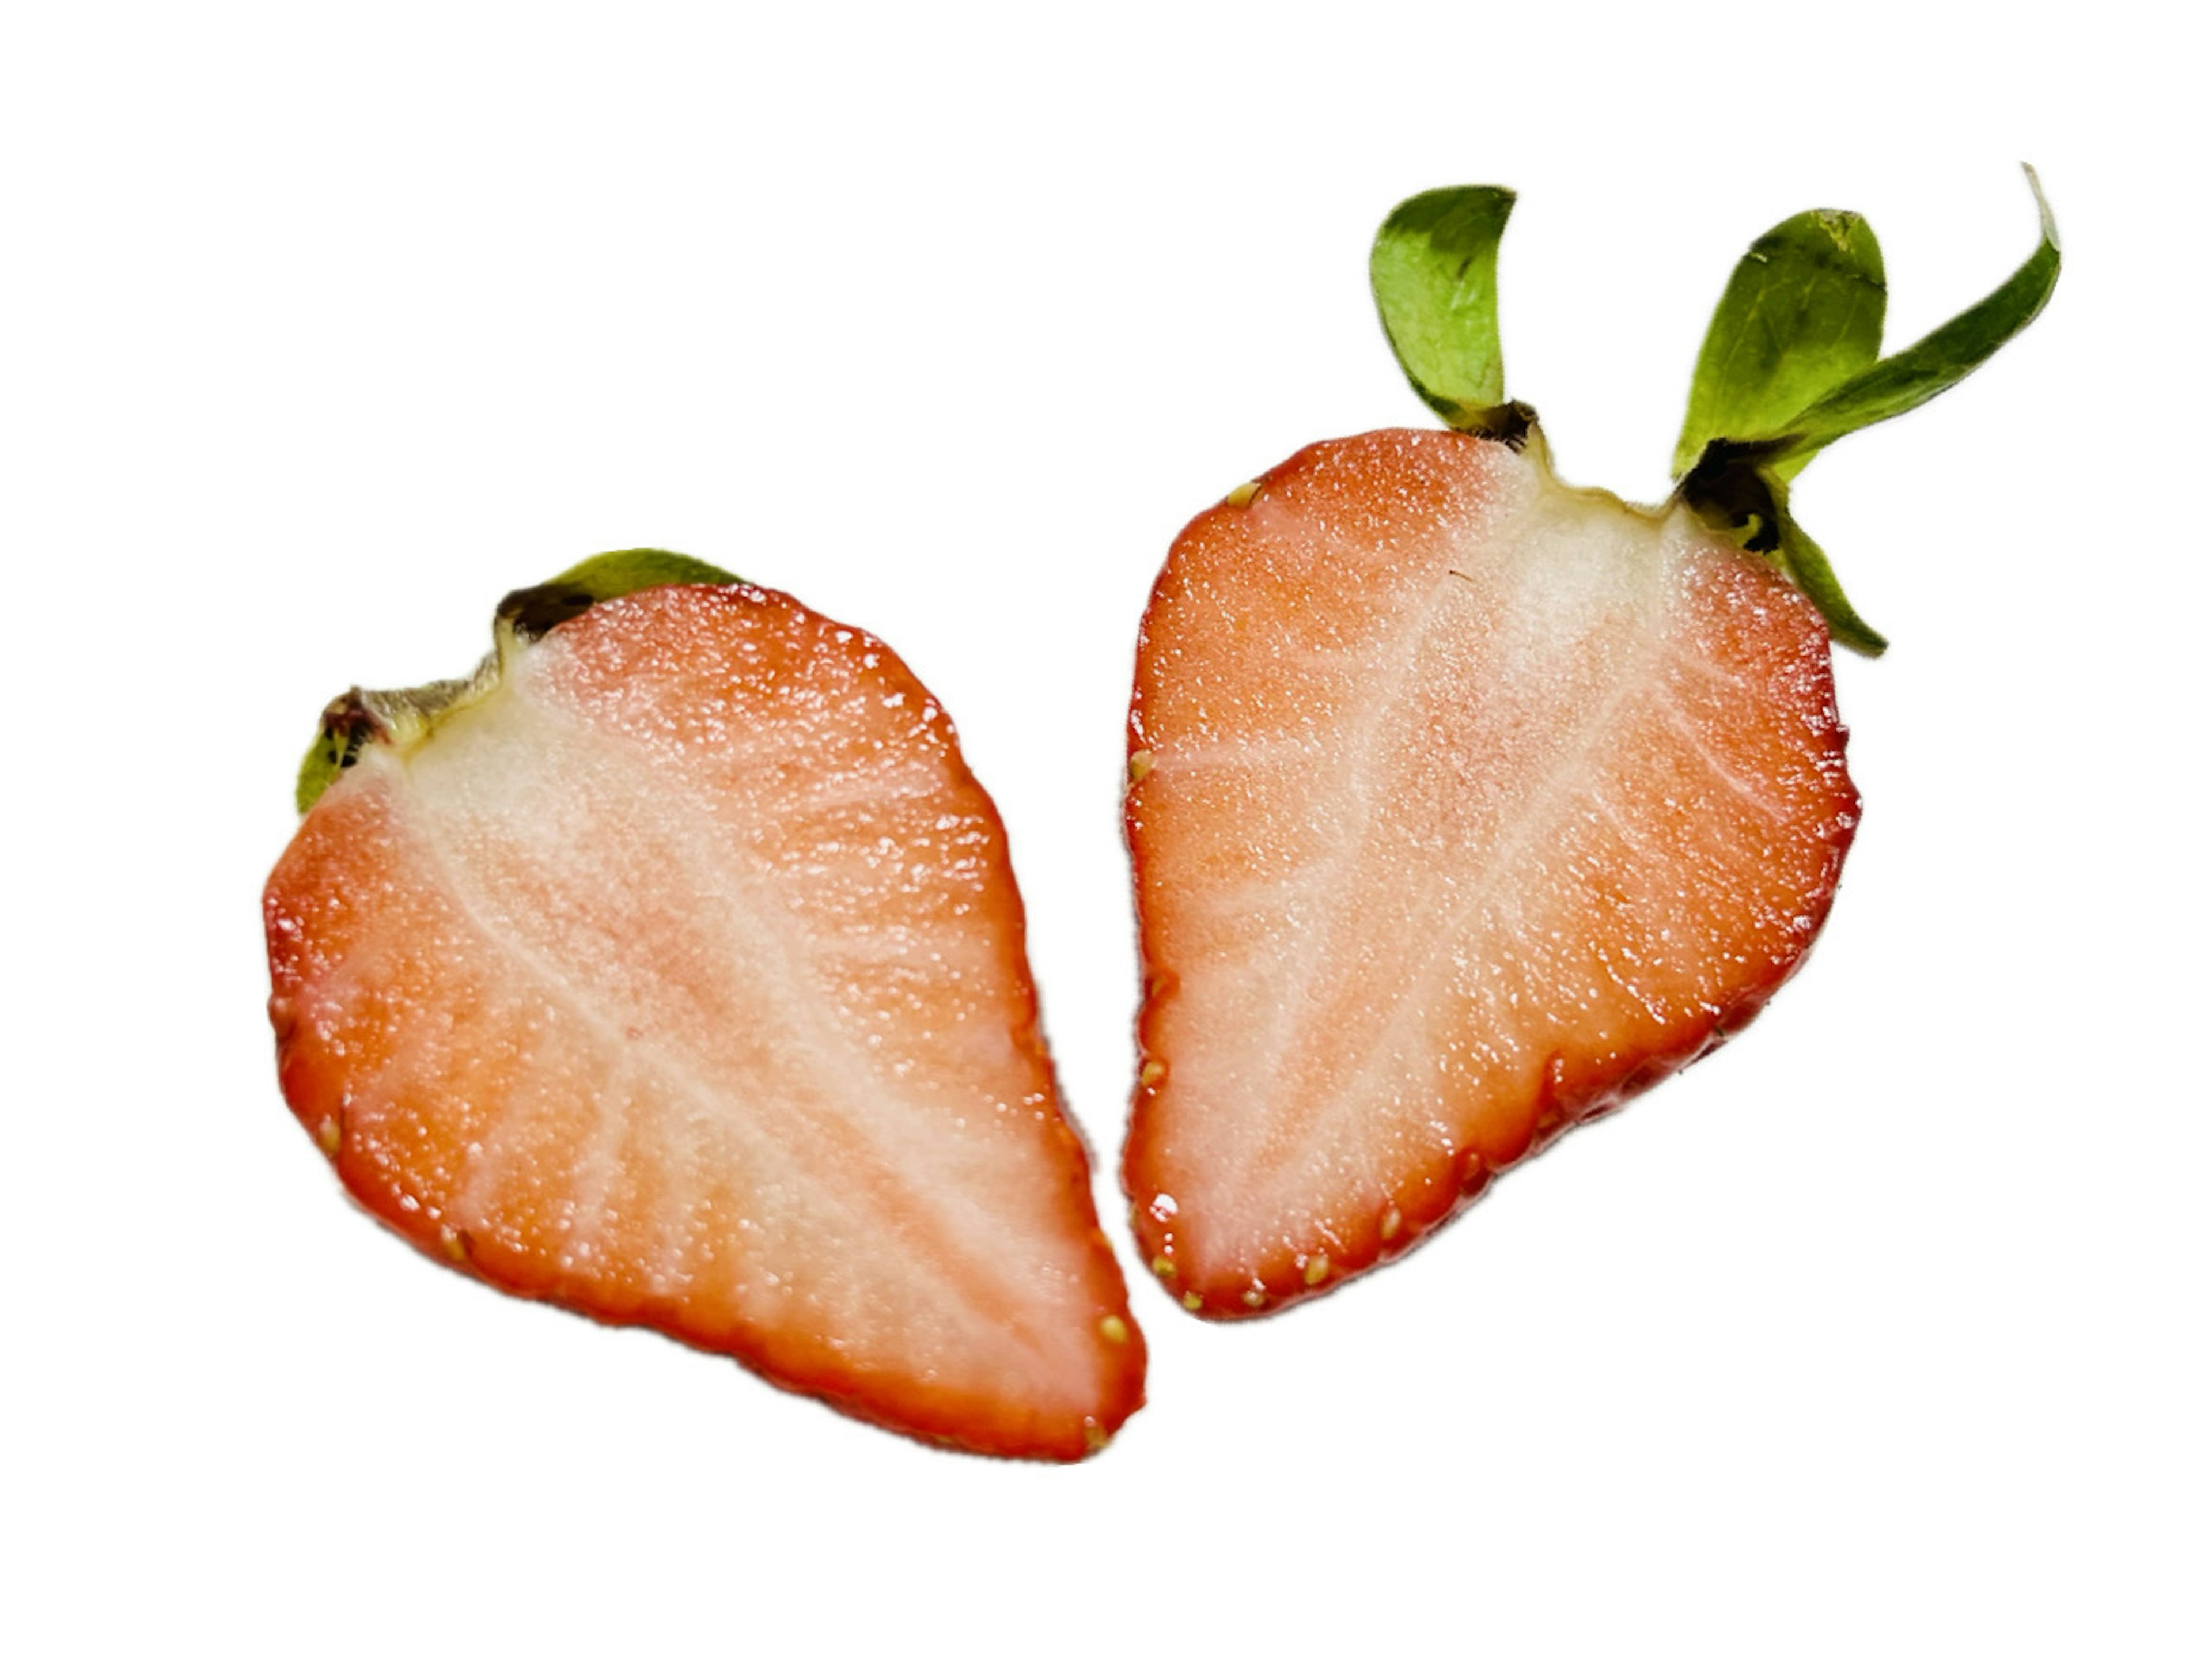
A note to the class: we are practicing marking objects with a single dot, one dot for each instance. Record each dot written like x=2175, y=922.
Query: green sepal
x=633, y=569
x=1910, y=378
x=1802, y=314
x=1738, y=481
x=1434, y=269
x=362, y=717
x=1806, y=565
x=531, y=612
x=1736, y=490
x=337, y=740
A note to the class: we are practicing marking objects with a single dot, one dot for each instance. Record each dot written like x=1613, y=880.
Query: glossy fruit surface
x=1464, y=805
x=675, y=973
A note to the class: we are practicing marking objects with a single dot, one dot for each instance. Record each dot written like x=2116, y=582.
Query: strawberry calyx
x=404, y=719
x=530, y=613
x=1508, y=423
x=1739, y=493
x=1791, y=360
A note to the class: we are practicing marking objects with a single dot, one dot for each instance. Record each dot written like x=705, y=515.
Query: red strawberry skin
x=1463, y=807
x=681, y=982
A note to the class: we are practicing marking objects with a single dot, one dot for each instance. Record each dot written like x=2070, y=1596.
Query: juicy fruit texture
x=679, y=979
x=1464, y=805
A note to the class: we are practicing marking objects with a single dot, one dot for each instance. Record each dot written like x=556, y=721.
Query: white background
x=1884, y=1331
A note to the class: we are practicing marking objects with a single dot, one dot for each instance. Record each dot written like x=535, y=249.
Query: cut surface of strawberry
x=675, y=973
x=1464, y=805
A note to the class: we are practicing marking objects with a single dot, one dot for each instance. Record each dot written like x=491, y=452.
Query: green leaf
x=1737, y=492
x=611, y=575
x=1805, y=564
x=531, y=612
x=1802, y=314
x=1434, y=269
x=1912, y=377
x=1735, y=464
x=337, y=742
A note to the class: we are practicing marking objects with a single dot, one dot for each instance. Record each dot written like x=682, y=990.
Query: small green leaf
x=611, y=575
x=1434, y=269
x=1736, y=465
x=1805, y=564
x=317, y=769
x=337, y=740
x=1802, y=314
x=534, y=612
x=1737, y=492
x=1912, y=377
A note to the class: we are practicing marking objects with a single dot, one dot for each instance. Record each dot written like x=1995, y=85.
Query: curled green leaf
x=633, y=569
x=1935, y=364
x=1434, y=269
x=1808, y=566
x=1802, y=314
x=1739, y=450
x=532, y=611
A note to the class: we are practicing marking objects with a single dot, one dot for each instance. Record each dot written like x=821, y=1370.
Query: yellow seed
x=1152, y=1073
x=1193, y=1300
x=1247, y=492
x=1391, y=1222
x=1256, y=1298
x=1139, y=763
x=327, y=1136
x=1113, y=1329
x=1164, y=1267
x=455, y=1244
x=1094, y=1437
x=1316, y=1270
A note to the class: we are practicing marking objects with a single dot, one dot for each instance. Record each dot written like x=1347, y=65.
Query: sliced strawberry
x=1464, y=805
x=675, y=973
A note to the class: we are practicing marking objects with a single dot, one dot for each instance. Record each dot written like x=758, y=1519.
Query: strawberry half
x=672, y=970
x=1464, y=805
